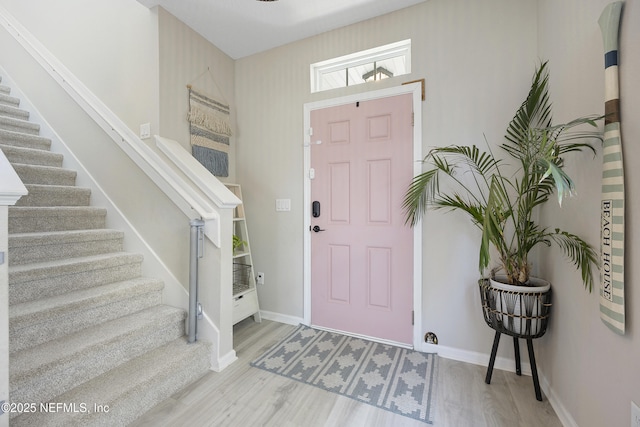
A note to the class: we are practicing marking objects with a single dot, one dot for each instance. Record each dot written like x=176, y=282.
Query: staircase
x=90, y=341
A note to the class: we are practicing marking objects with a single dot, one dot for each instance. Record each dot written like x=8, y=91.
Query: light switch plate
x=635, y=415
x=145, y=130
x=283, y=205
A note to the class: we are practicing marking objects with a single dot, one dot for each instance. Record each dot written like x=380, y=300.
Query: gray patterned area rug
x=392, y=378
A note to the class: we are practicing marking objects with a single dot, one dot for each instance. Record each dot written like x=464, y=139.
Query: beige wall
x=477, y=59
x=594, y=372
x=187, y=58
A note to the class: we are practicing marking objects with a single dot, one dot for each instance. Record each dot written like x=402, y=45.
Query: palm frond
x=456, y=202
x=418, y=196
x=564, y=185
x=497, y=211
x=535, y=111
x=581, y=254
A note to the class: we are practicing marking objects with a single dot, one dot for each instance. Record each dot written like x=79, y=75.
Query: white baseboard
x=475, y=358
x=563, y=414
x=224, y=361
x=282, y=318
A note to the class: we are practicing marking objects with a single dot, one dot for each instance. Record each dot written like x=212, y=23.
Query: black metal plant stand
x=518, y=314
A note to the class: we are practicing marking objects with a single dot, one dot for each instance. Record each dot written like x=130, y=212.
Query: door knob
x=317, y=228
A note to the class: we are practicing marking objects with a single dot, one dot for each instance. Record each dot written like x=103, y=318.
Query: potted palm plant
x=501, y=194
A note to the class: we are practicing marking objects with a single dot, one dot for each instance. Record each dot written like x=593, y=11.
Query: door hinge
x=310, y=131
x=413, y=317
x=413, y=119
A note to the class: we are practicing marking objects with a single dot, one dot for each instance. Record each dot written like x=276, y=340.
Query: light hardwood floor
x=244, y=396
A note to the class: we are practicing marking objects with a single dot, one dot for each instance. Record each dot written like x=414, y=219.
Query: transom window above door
x=361, y=67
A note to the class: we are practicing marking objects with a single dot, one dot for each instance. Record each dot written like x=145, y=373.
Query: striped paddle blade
x=612, y=225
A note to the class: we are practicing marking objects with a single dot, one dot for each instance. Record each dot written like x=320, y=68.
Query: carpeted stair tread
x=42, y=372
x=37, y=247
x=31, y=156
x=16, y=113
x=18, y=125
x=55, y=195
x=18, y=139
x=35, y=322
x=7, y=99
x=44, y=175
x=27, y=219
x=43, y=309
x=33, y=271
x=6, y=90
x=25, y=362
x=49, y=278
x=130, y=389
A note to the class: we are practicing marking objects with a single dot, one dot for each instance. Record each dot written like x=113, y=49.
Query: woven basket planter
x=522, y=312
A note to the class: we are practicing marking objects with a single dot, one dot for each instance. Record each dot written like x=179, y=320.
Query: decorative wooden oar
x=612, y=226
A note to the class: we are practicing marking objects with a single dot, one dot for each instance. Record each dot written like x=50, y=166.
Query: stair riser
x=9, y=100
x=15, y=125
x=26, y=336
x=15, y=113
x=32, y=157
x=25, y=221
x=55, y=196
x=50, y=381
x=58, y=283
x=43, y=251
x=42, y=175
x=14, y=139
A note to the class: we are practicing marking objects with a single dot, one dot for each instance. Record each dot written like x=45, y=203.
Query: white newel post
x=11, y=189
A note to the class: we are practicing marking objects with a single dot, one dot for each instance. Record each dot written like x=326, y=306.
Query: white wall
x=111, y=46
x=592, y=371
x=477, y=59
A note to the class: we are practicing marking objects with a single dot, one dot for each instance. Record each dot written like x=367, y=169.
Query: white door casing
x=416, y=90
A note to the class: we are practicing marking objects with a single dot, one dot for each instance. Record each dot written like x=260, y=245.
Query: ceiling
x=244, y=27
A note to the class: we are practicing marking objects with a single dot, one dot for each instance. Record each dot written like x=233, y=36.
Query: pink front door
x=362, y=253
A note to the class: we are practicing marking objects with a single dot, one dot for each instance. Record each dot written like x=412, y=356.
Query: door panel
x=379, y=191
x=339, y=264
x=340, y=192
x=362, y=260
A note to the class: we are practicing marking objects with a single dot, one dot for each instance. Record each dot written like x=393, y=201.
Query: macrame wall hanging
x=210, y=130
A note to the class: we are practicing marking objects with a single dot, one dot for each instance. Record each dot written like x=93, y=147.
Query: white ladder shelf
x=245, y=295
